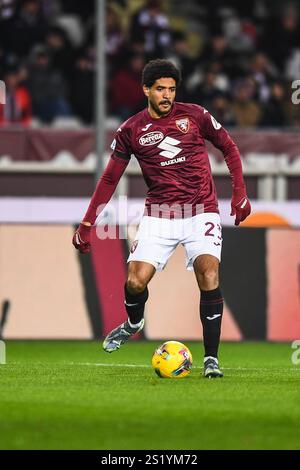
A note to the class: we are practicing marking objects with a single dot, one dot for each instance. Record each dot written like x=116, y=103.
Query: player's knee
x=209, y=279
x=135, y=285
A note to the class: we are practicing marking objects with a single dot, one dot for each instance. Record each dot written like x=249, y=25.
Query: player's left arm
x=215, y=133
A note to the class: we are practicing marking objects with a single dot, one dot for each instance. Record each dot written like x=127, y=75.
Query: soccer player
x=167, y=138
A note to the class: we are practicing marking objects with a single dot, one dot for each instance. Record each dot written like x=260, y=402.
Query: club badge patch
x=183, y=125
x=133, y=246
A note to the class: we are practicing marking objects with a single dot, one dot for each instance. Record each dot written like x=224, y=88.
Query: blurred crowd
x=238, y=59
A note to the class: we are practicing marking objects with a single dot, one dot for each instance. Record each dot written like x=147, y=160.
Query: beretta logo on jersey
x=151, y=138
x=183, y=125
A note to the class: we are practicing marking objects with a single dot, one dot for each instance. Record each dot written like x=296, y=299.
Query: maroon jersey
x=174, y=161
x=172, y=154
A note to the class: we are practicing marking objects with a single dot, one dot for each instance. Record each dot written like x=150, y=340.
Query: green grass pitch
x=72, y=395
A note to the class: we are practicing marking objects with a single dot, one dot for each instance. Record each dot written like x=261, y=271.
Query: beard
x=156, y=108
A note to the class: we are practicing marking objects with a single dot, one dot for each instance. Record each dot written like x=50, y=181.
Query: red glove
x=82, y=238
x=240, y=204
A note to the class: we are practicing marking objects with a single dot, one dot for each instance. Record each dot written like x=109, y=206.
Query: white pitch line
x=103, y=364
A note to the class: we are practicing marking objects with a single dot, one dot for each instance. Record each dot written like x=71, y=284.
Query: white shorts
x=157, y=238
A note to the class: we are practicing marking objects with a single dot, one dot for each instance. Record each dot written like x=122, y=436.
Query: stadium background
x=239, y=60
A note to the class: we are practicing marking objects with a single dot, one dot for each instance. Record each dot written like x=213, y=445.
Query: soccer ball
x=173, y=360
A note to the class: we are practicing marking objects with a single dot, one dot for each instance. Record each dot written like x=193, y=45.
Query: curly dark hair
x=160, y=68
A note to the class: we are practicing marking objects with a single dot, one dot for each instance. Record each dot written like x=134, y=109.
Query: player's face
x=161, y=96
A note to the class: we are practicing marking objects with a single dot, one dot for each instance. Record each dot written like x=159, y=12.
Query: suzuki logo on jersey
x=151, y=138
x=170, y=150
x=169, y=146
x=183, y=125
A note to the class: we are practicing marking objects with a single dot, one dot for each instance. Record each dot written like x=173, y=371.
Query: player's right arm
x=105, y=188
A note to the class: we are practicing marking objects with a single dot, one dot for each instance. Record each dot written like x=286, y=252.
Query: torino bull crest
x=183, y=125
